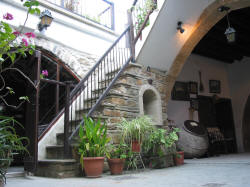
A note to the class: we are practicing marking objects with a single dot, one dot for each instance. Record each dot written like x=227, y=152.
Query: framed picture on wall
x=214, y=86
x=193, y=87
x=180, y=91
x=194, y=104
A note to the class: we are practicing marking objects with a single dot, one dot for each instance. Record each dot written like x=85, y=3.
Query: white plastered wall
x=164, y=41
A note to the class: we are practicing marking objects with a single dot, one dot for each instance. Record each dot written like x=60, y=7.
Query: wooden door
x=206, y=111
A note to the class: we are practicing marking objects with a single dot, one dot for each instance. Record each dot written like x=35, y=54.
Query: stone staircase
x=55, y=165
x=122, y=101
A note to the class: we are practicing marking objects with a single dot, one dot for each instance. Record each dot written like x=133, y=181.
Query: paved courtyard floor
x=223, y=171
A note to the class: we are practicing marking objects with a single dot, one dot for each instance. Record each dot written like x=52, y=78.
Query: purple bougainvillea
x=8, y=16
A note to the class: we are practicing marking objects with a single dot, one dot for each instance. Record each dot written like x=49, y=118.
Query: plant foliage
x=119, y=150
x=93, y=139
x=142, y=12
x=10, y=143
x=136, y=129
x=160, y=141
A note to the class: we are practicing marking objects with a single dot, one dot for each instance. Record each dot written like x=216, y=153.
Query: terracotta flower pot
x=179, y=158
x=136, y=146
x=1, y=183
x=116, y=165
x=93, y=166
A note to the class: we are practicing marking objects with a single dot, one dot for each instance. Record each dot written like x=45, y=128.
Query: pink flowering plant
x=14, y=44
x=44, y=74
x=10, y=44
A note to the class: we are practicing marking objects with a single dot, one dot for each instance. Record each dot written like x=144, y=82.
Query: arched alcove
x=150, y=103
x=246, y=126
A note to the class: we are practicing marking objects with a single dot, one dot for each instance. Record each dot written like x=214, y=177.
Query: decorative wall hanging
x=214, y=86
x=180, y=91
x=193, y=87
x=194, y=104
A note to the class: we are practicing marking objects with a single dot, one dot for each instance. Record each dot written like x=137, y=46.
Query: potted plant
x=142, y=12
x=118, y=154
x=135, y=131
x=10, y=144
x=158, y=145
x=92, y=146
x=179, y=158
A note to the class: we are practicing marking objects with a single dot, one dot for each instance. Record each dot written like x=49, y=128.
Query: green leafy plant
x=137, y=129
x=10, y=144
x=93, y=139
x=131, y=160
x=142, y=13
x=15, y=44
x=160, y=141
x=119, y=150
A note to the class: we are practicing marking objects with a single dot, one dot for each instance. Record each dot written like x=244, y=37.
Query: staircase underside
x=122, y=101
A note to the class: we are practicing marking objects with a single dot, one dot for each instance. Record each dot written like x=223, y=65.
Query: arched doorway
x=246, y=126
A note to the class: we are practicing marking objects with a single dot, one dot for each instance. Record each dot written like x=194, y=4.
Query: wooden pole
x=131, y=35
x=66, y=121
x=57, y=88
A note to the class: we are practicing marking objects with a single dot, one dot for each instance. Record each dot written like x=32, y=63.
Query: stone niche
x=150, y=103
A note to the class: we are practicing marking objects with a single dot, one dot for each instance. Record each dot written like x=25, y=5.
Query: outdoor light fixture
x=230, y=31
x=179, y=27
x=46, y=19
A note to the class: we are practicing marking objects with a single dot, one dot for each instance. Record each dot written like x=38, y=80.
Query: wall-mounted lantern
x=230, y=31
x=46, y=20
x=179, y=27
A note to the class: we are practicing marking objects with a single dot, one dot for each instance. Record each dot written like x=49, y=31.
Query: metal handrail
x=102, y=76
x=92, y=89
x=109, y=23
x=80, y=84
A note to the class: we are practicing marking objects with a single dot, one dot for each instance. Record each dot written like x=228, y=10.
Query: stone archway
x=76, y=62
x=150, y=103
x=206, y=21
x=246, y=126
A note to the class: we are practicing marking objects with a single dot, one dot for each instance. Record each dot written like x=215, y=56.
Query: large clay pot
x=136, y=146
x=193, y=139
x=116, y=165
x=179, y=158
x=93, y=166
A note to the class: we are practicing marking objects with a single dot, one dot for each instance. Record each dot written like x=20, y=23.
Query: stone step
x=60, y=139
x=55, y=168
x=96, y=115
x=15, y=174
x=55, y=152
x=112, y=73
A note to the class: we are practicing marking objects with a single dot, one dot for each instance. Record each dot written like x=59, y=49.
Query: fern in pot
x=10, y=144
x=136, y=130
x=92, y=148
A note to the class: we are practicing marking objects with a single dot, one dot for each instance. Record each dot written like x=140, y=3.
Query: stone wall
x=78, y=62
x=123, y=99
